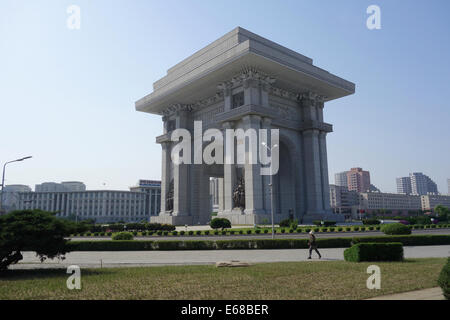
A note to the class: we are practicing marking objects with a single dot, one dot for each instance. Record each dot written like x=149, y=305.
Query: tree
x=32, y=230
x=442, y=212
x=218, y=223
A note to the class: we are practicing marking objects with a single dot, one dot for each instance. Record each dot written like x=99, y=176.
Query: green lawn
x=287, y=280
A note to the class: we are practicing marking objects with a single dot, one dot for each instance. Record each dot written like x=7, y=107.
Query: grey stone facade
x=243, y=81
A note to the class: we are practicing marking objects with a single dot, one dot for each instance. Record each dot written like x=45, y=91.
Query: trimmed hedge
x=107, y=245
x=444, y=280
x=371, y=251
x=395, y=229
x=122, y=236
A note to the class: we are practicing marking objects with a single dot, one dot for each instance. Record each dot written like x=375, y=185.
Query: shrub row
x=259, y=231
x=444, y=279
x=137, y=245
x=391, y=251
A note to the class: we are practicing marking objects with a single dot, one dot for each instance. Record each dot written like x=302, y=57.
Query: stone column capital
x=228, y=125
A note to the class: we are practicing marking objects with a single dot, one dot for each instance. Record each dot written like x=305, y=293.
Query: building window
x=238, y=99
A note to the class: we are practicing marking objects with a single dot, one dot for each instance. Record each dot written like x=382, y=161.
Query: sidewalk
x=425, y=294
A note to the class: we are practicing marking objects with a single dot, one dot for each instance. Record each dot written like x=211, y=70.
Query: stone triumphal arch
x=245, y=81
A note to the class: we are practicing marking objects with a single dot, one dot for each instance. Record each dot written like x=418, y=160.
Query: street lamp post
x=3, y=178
x=271, y=188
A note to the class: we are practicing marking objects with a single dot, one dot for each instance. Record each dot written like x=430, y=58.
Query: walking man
x=312, y=244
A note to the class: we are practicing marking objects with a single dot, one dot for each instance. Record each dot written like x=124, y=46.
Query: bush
x=285, y=223
x=283, y=231
x=165, y=233
x=355, y=228
x=206, y=232
x=368, y=251
x=241, y=231
x=224, y=232
x=325, y=223
x=123, y=236
x=182, y=233
x=395, y=229
x=199, y=233
x=135, y=233
x=258, y=231
x=249, y=231
x=371, y=221
x=291, y=230
x=231, y=231
x=220, y=223
x=159, y=233
x=266, y=230
x=109, y=234
x=216, y=232
x=340, y=229
x=190, y=232
x=174, y=233
x=444, y=280
x=331, y=229
x=348, y=229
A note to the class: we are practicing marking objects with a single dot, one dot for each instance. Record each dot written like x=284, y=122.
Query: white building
x=100, y=205
x=429, y=202
x=404, y=185
x=340, y=179
x=11, y=196
x=390, y=201
x=60, y=187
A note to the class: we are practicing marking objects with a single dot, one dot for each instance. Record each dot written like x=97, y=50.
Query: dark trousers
x=313, y=247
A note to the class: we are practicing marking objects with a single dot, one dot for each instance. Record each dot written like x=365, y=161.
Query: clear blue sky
x=67, y=96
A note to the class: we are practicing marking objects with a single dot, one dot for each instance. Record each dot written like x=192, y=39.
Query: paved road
x=155, y=258
x=269, y=236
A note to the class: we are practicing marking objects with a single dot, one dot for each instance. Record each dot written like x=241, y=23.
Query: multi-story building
x=340, y=179
x=421, y=184
x=102, y=206
x=376, y=201
x=153, y=189
x=341, y=199
x=358, y=180
x=429, y=202
x=448, y=185
x=10, y=196
x=404, y=185
x=60, y=187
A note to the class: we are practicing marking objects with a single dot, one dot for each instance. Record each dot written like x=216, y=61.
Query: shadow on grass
x=28, y=274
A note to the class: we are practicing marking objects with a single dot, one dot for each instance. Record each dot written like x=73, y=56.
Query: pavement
x=425, y=294
x=113, y=259
x=269, y=235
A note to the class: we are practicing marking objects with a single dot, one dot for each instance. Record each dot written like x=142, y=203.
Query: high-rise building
x=404, y=185
x=340, y=179
x=448, y=184
x=358, y=180
x=421, y=184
